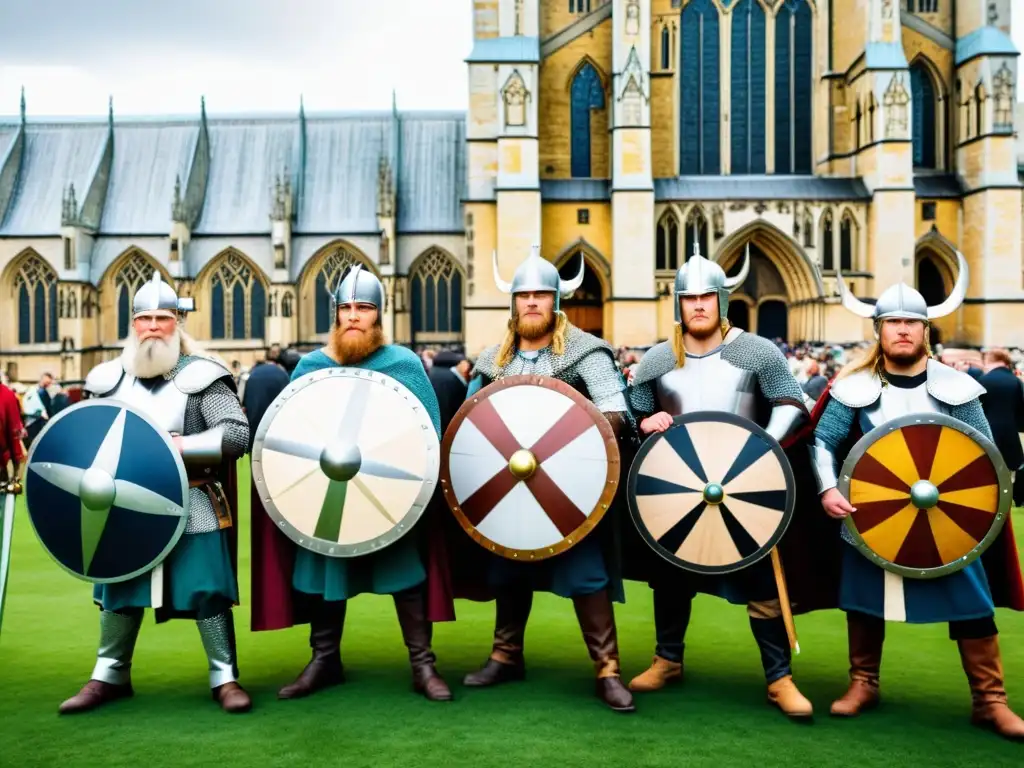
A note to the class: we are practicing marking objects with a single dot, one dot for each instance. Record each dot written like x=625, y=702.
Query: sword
x=787, y=609
x=6, y=535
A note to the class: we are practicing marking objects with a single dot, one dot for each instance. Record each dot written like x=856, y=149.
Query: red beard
x=533, y=328
x=349, y=348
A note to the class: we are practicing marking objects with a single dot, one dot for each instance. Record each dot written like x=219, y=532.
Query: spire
x=302, y=108
x=202, y=108
x=110, y=111
x=394, y=102
x=23, y=105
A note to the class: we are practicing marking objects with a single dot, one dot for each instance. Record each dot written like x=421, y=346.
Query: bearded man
x=293, y=585
x=898, y=377
x=710, y=366
x=540, y=340
x=163, y=373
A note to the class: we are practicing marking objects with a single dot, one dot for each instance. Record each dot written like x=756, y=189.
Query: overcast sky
x=159, y=56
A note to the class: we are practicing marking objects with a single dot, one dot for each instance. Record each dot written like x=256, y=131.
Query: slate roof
x=990, y=41
x=510, y=50
x=937, y=186
x=771, y=187
x=432, y=173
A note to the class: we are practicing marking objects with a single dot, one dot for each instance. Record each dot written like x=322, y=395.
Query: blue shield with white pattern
x=106, y=490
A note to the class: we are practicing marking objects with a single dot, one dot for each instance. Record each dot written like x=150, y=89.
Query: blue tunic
x=958, y=596
x=399, y=566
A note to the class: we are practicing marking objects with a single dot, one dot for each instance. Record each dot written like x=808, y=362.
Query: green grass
x=717, y=717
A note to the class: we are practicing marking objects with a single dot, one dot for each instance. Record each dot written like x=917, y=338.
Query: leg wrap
x=773, y=642
x=671, y=619
x=218, y=635
x=118, y=633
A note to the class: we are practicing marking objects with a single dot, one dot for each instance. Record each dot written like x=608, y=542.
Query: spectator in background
x=36, y=406
x=12, y=448
x=427, y=357
x=815, y=384
x=265, y=382
x=1003, y=403
x=449, y=376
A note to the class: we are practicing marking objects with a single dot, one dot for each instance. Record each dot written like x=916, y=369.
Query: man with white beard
x=163, y=373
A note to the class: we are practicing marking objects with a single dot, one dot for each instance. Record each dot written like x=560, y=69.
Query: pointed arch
x=237, y=291
x=319, y=278
x=827, y=242
x=32, y=287
x=928, y=116
x=125, y=275
x=803, y=283
x=667, y=242
x=437, y=297
x=592, y=258
x=848, y=229
x=586, y=93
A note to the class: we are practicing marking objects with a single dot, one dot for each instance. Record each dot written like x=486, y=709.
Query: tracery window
x=331, y=270
x=238, y=300
x=35, y=285
x=923, y=118
x=586, y=94
x=135, y=271
x=828, y=261
x=436, y=287
x=667, y=245
x=699, y=96
x=846, y=232
x=793, y=88
x=747, y=121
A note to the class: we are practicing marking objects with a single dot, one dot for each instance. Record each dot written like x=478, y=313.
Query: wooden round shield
x=713, y=493
x=106, y=491
x=529, y=467
x=931, y=493
x=345, y=461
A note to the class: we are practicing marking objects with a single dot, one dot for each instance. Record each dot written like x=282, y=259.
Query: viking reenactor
x=709, y=367
x=514, y=496
x=162, y=374
x=925, y=498
x=345, y=468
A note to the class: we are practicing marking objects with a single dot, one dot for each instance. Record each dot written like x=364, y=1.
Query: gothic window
x=35, y=284
x=436, y=287
x=579, y=6
x=586, y=94
x=286, y=305
x=872, y=108
x=696, y=231
x=747, y=121
x=667, y=245
x=699, y=101
x=846, y=228
x=828, y=261
x=808, y=227
x=793, y=89
x=979, y=107
x=238, y=300
x=333, y=267
x=515, y=96
x=923, y=119
x=72, y=304
x=1002, y=119
x=136, y=270
x=666, y=52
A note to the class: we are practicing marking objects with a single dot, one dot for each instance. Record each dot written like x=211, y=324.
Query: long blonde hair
x=874, y=360
x=507, y=350
x=679, y=348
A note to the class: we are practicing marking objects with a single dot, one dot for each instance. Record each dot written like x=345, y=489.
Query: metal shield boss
x=106, y=490
x=345, y=461
x=931, y=494
x=712, y=494
x=529, y=467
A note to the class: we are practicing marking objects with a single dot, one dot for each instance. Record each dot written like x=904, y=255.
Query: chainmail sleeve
x=219, y=407
x=752, y=353
x=641, y=399
x=832, y=429
x=603, y=381
x=972, y=414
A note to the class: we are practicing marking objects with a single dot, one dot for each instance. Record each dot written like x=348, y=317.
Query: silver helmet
x=537, y=274
x=360, y=286
x=699, y=276
x=157, y=297
x=903, y=301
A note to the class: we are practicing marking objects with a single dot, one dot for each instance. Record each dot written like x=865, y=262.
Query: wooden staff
x=787, y=609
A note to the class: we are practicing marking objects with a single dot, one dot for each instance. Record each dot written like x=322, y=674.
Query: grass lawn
x=718, y=717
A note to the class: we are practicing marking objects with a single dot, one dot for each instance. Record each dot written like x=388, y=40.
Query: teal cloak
x=399, y=566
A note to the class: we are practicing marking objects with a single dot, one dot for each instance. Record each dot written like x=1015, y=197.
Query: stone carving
x=895, y=102
x=718, y=221
x=761, y=207
x=1003, y=93
x=515, y=96
x=632, y=93
x=783, y=206
x=385, y=189
x=282, y=206
x=633, y=17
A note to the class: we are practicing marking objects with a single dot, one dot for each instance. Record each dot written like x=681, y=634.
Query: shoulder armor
x=857, y=391
x=198, y=373
x=950, y=386
x=104, y=378
x=656, y=362
x=485, y=363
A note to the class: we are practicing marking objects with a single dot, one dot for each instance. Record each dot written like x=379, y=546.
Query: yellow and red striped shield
x=931, y=494
x=529, y=466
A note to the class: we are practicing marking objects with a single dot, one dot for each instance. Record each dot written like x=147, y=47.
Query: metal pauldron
x=824, y=462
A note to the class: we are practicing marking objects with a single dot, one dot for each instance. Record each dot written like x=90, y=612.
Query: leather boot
x=111, y=677
x=417, y=633
x=597, y=621
x=984, y=668
x=325, y=668
x=866, y=635
x=657, y=676
x=773, y=643
x=218, y=635
x=506, y=664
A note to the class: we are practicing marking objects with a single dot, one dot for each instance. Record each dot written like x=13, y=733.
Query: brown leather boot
x=95, y=694
x=597, y=621
x=866, y=635
x=784, y=694
x=984, y=668
x=657, y=676
x=232, y=698
x=417, y=633
x=506, y=664
x=325, y=668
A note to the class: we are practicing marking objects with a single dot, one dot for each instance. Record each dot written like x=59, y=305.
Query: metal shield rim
x=611, y=483
x=912, y=419
x=322, y=546
x=776, y=537
x=182, y=474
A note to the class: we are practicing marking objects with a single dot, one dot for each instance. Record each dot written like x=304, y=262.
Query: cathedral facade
x=870, y=139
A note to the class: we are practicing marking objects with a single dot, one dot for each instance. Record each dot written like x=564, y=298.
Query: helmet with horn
x=157, y=297
x=537, y=274
x=358, y=286
x=903, y=301
x=699, y=276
